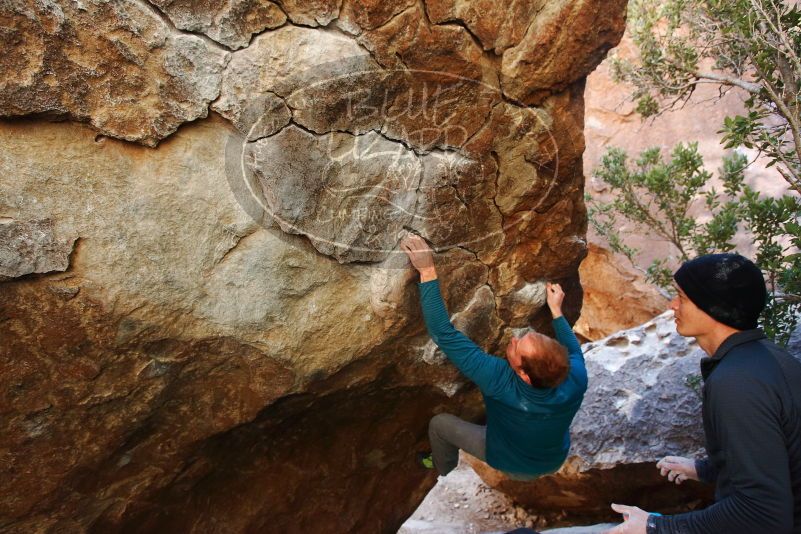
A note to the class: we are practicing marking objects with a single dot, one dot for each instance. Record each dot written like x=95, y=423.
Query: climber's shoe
x=425, y=460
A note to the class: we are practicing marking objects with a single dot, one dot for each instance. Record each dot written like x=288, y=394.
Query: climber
x=530, y=397
x=751, y=409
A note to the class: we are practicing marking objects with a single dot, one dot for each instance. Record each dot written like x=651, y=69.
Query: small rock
x=64, y=292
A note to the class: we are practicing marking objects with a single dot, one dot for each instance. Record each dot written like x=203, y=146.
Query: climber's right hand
x=554, y=296
x=677, y=468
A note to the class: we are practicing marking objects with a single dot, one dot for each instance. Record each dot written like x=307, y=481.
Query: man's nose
x=674, y=304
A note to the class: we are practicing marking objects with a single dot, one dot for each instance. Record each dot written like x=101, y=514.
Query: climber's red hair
x=547, y=365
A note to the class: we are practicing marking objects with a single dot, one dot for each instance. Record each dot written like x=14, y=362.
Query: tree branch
x=788, y=46
x=794, y=182
x=751, y=87
x=791, y=119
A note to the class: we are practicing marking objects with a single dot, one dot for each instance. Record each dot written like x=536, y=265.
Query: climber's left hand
x=420, y=255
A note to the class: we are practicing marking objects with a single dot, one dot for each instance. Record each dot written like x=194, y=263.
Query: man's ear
x=523, y=376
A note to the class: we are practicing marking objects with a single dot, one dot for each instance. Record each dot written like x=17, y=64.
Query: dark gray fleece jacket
x=752, y=422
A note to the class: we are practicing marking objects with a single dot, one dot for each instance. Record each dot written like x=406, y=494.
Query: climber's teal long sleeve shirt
x=527, y=427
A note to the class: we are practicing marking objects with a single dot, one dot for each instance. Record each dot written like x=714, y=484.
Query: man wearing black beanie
x=751, y=409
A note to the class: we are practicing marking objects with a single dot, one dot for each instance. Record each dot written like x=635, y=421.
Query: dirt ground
x=462, y=504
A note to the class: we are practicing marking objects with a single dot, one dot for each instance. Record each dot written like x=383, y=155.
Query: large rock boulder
x=643, y=403
x=616, y=295
x=205, y=322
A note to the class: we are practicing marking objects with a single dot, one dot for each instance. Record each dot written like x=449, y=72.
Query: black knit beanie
x=728, y=287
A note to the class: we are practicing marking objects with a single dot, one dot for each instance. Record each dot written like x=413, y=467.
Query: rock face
x=206, y=325
x=616, y=296
x=547, y=53
x=230, y=24
x=116, y=65
x=643, y=403
x=30, y=247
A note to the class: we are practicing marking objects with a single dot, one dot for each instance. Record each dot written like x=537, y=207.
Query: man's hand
x=421, y=256
x=677, y=469
x=554, y=296
x=634, y=520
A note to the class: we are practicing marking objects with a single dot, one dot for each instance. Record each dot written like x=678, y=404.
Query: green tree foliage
x=750, y=46
x=659, y=198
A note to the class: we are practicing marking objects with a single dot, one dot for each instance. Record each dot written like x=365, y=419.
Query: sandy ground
x=462, y=504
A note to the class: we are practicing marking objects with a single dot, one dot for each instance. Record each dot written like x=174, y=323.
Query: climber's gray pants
x=448, y=434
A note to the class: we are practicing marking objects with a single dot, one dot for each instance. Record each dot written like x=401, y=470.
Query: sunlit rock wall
x=616, y=295
x=205, y=323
